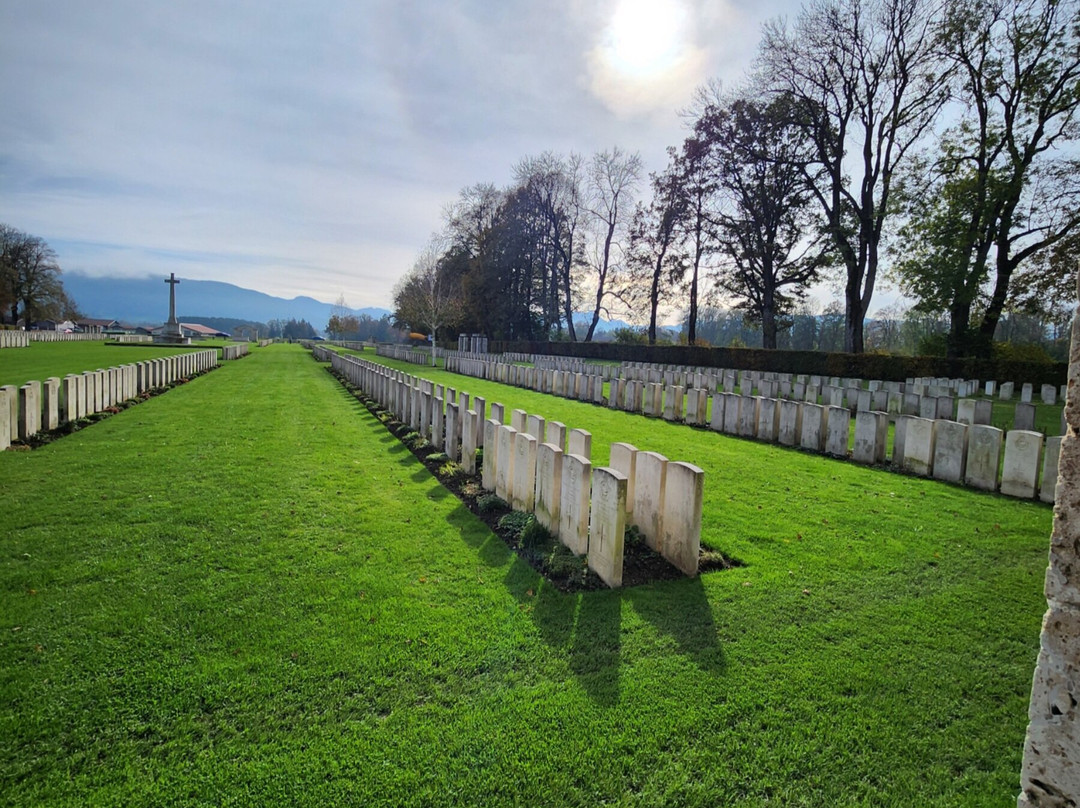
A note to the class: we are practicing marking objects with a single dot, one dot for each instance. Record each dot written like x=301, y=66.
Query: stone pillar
x=608, y=524
x=1050, y=774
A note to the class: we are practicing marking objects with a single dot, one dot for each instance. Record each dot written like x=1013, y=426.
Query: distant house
x=195, y=330
x=88, y=325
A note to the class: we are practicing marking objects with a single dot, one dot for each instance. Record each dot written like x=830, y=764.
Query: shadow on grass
x=585, y=626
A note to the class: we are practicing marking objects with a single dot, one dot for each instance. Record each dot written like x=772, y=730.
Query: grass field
x=246, y=592
x=41, y=360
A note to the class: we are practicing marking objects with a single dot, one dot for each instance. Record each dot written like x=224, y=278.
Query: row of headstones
x=60, y=336
x=403, y=353
x=639, y=396
x=14, y=339
x=803, y=387
x=543, y=468
x=234, y=350
x=965, y=451
x=41, y=406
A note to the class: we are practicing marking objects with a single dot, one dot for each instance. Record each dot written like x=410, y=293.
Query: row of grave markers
x=42, y=406
x=962, y=451
x=896, y=397
x=544, y=468
x=234, y=350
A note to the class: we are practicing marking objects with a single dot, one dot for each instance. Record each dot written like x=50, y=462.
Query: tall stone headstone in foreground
x=1050, y=774
x=607, y=525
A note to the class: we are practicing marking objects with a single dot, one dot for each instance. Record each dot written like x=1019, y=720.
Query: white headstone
x=983, y=457
x=574, y=503
x=523, y=491
x=548, y=491
x=650, y=482
x=1021, y=467
x=684, y=499
x=607, y=525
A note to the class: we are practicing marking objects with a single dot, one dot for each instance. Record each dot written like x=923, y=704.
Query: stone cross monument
x=172, y=331
x=1050, y=777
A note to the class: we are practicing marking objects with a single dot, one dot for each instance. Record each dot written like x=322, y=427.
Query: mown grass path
x=246, y=592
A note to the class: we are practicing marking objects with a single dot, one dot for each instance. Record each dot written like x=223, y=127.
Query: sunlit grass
x=248, y=592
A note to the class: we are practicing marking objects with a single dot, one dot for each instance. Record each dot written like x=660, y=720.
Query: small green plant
x=534, y=534
x=487, y=503
x=437, y=457
x=515, y=522
x=562, y=563
x=449, y=470
x=632, y=537
x=480, y=457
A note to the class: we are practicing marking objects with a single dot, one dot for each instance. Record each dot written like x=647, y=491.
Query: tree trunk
x=691, y=318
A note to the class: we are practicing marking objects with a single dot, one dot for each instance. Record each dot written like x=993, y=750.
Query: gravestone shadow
x=680, y=609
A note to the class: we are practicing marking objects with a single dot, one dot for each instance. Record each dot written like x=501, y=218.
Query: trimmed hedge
x=861, y=366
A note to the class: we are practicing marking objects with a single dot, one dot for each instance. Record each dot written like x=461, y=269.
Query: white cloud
x=307, y=148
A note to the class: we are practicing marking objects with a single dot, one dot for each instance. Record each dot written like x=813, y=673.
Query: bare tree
x=30, y=284
x=655, y=233
x=427, y=299
x=610, y=180
x=553, y=183
x=868, y=84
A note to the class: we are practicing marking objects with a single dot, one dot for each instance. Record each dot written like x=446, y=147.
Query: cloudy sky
x=310, y=148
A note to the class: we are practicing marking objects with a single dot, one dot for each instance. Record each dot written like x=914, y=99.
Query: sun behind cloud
x=646, y=57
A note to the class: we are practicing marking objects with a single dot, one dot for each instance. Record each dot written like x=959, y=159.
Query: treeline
x=345, y=324
x=30, y=285
x=928, y=143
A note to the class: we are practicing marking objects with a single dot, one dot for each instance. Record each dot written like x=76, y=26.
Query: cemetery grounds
x=247, y=592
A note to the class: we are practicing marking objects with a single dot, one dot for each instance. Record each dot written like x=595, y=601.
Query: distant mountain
x=146, y=300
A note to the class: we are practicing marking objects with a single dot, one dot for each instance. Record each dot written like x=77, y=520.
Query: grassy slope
x=41, y=360
x=276, y=604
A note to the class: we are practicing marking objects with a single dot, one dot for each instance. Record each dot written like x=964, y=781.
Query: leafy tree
x=1003, y=188
x=866, y=84
x=759, y=162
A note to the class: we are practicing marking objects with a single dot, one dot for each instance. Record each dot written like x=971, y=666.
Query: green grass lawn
x=246, y=592
x=41, y=360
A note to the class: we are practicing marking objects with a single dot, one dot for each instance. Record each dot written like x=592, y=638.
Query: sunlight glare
x=645, y=37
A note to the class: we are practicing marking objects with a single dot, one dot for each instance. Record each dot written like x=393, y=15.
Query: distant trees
x=1001, y=190
x=30, y=286
x=933, y=141
x=290, y=329
x=429, y=296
